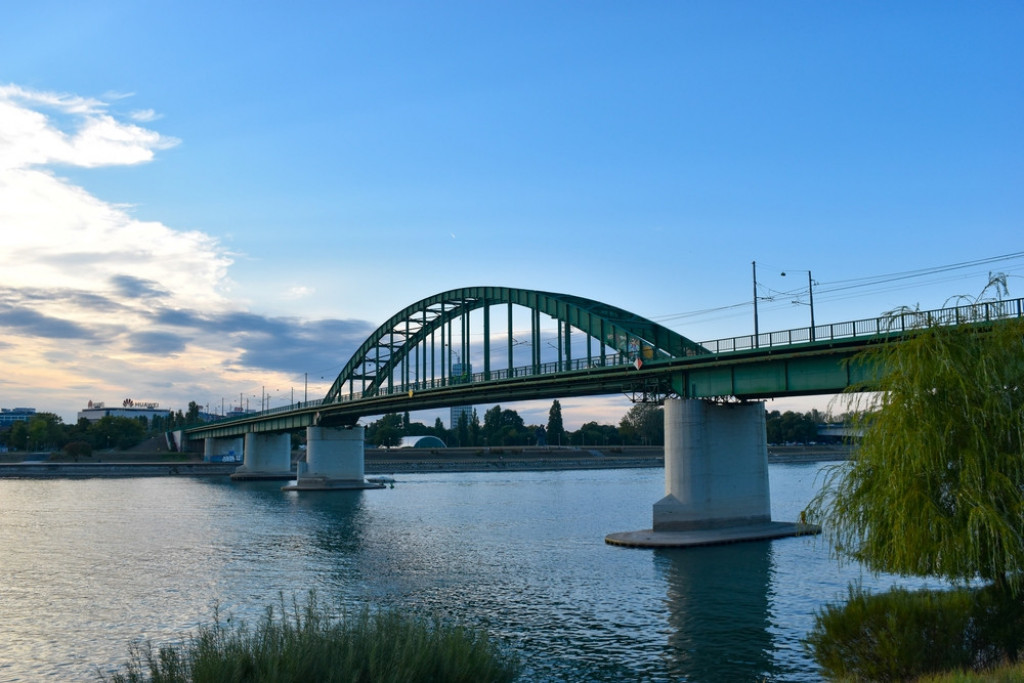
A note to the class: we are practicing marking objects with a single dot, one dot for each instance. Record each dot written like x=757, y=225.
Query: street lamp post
x=810, y=298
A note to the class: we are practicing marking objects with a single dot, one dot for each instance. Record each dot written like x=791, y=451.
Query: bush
x=77, y=449
x=309, y=645
x=1008, y=673
x=904, y=634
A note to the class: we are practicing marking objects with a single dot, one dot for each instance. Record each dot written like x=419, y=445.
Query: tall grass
x=303, y=643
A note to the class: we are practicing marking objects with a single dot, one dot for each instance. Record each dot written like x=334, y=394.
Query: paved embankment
x=797, y=454
x=84, y=470
x=543, y=458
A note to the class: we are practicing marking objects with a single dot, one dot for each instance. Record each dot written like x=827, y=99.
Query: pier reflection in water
x=718, y=601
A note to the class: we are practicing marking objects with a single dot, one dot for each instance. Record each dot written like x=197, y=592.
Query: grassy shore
x=306, y=642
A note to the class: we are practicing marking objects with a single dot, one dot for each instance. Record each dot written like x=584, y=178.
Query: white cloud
x=58, y=235
x=80, y=278
x=89, y=136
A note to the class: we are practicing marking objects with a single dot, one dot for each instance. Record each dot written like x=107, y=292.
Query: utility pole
x=756, y=340
x=810, y=299
x=810, y=296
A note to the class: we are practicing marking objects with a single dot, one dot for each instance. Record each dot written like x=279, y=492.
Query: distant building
x=9, y=416
x=421, y=442
x=458, y=412
x=98, y=410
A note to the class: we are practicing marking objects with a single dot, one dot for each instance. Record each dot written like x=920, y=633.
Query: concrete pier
x=334, y=461
x=222, y=449
x=267, y=456
x=716, y=479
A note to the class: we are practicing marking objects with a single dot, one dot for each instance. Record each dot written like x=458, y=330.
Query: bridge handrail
x=894, y=323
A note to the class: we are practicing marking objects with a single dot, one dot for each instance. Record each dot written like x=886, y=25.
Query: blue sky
x=202, y=200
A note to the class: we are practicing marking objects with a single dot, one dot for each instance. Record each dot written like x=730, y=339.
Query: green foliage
x=77, y=449
x=475, y=429
x=644, y=424
x=45, y=431
x=463, y=436
x=555, y=428
x=307, y=644
x=387, y=431
x=115, y=432
x=790, y=427
x=594, y=434
x=937, y=484
x=903, y=634
x=18, y=437
x=504, y=428
x=1004, y=673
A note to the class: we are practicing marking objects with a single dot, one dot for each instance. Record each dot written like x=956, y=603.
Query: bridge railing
x=609, y=360
x=896, y=322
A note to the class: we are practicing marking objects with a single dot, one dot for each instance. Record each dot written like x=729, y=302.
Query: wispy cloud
x=158, y=343
x=145, y=115
x=25, y=322
x=299, y=292
x=127, y=285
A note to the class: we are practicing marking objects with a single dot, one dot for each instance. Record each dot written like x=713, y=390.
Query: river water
x=87, y=566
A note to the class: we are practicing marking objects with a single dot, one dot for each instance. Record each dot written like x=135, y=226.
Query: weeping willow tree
x=936, y=486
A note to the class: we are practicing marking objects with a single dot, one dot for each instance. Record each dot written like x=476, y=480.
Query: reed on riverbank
x=305, y=643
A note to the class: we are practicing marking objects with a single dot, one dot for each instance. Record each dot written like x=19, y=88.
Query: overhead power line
x=825, y=289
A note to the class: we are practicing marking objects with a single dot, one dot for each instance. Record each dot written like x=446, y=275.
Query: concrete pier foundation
x=222, y=449
x=334, y=461
x=266, y=456
x=716, y=479
x=716, y=466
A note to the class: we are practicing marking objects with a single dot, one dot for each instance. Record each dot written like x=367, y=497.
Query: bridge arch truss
x=432, y=343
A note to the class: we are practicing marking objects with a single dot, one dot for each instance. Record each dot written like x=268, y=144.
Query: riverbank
x=405, y=461
x=514, y=459
x=88, y=470
x=386, y=461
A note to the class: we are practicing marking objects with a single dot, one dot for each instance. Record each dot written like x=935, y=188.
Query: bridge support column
x=716, y=479
x=222, y=449
x=267, y=456
x=334, y=461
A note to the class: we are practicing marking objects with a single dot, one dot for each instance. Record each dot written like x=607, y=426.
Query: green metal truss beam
x=614, y=327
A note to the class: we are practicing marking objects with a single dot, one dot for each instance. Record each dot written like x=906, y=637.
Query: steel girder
x=390, y=344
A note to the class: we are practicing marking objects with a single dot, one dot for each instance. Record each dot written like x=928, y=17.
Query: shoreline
x=400, y=461
x=90, y=470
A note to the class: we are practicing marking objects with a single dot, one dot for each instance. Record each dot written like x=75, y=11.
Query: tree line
x=796, y=428
x=48, y=432
x=642, y=425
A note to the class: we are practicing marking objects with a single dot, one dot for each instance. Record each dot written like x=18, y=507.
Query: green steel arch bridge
x=419, y=358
